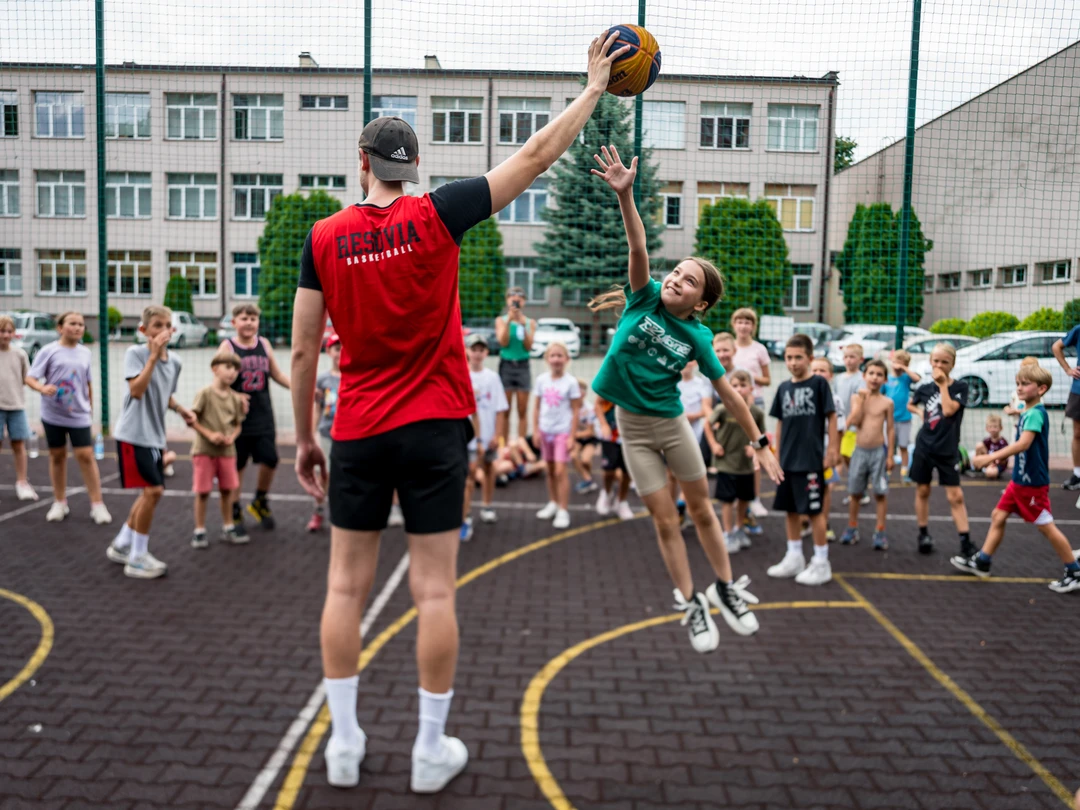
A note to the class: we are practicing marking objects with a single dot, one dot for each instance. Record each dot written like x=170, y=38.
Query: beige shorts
x=652, y=445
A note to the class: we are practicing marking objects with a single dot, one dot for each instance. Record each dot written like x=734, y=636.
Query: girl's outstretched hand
x=615, y=174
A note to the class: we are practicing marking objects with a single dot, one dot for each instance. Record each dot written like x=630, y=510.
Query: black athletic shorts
x=800, y=493
x=612, y=457
x=140, y=467
x=731, y=487
x=587, y=441
x=1072, y=407
x=923, y=466
x=56, y=436
x=426, y=462
x=260, y=448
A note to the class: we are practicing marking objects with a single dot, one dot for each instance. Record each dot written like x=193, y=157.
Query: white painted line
x=265, y=780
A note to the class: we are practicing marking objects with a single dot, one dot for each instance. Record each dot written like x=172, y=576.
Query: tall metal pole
x=367, y=61
x=909, y=170
x=639, y=111
x=103, y=242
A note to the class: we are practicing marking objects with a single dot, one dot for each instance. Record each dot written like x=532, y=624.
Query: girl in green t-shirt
x=658, y=334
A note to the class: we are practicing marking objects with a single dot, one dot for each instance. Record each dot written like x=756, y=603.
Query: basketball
x=634, y=72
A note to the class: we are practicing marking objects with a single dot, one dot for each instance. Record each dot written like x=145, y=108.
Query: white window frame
x=323, y=102
x=9, y=111
x=71, y=185
x=982, y=279
x=51, y=102
x=735, y=114
x=527, y=266
x=181, y=185
x=323, y=181
x=1008, y=275
x=74, y=260
x=532, y=201
x=450, y=106
x=802, y=281
x=395, y=107
x=266, y=186
x=123, y=110
x=252, y=268
x=142, y=267
x=725, y=194
x=1056, y=272
x=184, y=110
x=928, y=284
x=11, y=269
x=523, y=116
x=783, y=118
x=263, y=112
x=9, y=193
x=203, y=269
x=665, y=198
x=950, y=282
x=119, y=185
x=800, y=203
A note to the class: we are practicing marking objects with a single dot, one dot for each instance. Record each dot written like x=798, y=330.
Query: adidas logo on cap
x=399, y=154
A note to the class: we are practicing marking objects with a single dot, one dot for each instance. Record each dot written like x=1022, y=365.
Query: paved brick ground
x=174, y=693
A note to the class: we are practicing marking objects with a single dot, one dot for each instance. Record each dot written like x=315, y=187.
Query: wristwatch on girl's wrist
x=761, y=442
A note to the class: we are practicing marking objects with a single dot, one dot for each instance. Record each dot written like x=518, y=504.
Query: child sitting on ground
x=991, y=443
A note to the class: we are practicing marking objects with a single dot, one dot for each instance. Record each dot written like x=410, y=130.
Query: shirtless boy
x=871, y=463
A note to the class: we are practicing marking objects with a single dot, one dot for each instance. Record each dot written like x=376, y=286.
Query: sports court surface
x=898, y=685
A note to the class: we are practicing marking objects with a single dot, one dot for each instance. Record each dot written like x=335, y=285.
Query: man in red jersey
x=386, y=270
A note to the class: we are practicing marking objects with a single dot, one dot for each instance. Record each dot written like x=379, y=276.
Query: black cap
x=392, y=148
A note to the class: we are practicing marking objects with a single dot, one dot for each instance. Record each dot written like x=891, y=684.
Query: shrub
x=1070, y=315
x=948, y=326
x=986, y=324
x=88, y=337
x=115, y=317
x=1047, y=318
x=178, y=294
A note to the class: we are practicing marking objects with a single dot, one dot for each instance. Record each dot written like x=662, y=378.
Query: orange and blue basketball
x=634, y=72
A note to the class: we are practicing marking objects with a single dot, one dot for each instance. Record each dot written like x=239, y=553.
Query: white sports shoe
x=548, y=512
x=699, y=624
x=343, y=764
x=145, y=566
x=99, y=514
x=488, y=516
x=24, y=491
x=603, y=504
x=57, y=512
x=118, y=554
x=396, y=517
x=731, y=540
x=817, y=573
x=793, y=564
x=623, y=510
x=430, y=775
x=731, y=601
x=758, y=509
x=562, y=520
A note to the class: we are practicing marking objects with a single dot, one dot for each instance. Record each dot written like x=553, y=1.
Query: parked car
x=188, y=331
x=873, y=337
x=32, y=331
x=812, y=329
x=989, y=367
x=556, y=330
x=484, y=327
x=225, y=329
x=920, y=347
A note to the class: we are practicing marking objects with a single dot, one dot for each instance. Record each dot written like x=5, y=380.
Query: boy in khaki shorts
x=871, y=463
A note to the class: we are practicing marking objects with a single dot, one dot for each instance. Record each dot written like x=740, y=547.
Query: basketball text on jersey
x=372, y=246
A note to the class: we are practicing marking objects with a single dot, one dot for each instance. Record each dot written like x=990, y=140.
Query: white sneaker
x=145, y=566
x=731, y=601
x=731, y=540
x=343, y=764
x=793, y=564
x=25, y=492
x=603, y=504
x=817, y=573
x=396, y=517
x=744, y=539
x=118, y=554
x=57, y=512
x=488, y=516
x=99, y=514
x=432, y=775
x=699, y=624
x=758, y=509
x=562, y=520
x=548, y=512
x=623, y=510
x=169, y=471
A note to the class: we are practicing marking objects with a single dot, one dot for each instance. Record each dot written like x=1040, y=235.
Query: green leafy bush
x=986, y=324
x=178, y=294
x=1046, y=318
x=115, y=317
x=1070, y=315
x=948, y=326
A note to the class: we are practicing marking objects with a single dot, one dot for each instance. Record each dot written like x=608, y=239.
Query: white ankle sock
x=433, y=711
x=794, y=547
x=341, y=697
x=1076, y=471
x=821, y=553
x=139, y=542
x=123, y=538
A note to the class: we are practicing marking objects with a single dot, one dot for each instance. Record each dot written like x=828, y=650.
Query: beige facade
x=200, y=159
x=996, y=186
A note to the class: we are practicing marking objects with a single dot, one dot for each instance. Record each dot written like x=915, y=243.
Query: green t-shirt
x=643, y=366
x=515, y=349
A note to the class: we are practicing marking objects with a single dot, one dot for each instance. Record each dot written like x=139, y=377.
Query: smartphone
x=515, y=305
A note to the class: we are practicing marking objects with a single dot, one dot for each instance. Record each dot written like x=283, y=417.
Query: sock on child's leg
x=821, y=553
x=123, y=538
x=341, y=698
x=433, y=712
x=794, y=546
x=139, y=543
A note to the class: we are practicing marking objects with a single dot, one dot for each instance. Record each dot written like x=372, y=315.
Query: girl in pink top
x=751, y=356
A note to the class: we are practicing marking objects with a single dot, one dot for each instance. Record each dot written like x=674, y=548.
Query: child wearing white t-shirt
x=557, y=402
x=492, y=411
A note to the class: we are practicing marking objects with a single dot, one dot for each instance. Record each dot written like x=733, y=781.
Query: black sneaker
x=1069, y=582
x=926, y=544
x=239, y=531
x=199, y=540
x=968, y=548
x=1072, y=483
x=731, y=601
x=237, y=513
x=260, y=510
x=973, y=565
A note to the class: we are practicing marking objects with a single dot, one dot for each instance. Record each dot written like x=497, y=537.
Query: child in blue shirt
x=898, y=389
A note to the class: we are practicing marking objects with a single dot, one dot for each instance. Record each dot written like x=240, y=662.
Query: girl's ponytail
x=615, y=298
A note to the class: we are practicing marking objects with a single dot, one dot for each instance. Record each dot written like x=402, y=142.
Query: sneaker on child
x=817, y=573
x=548, y=512
x=343, y=762
x=731, y=601
x=488, y=516
x=562, y=520
x=793, y=564
x=57, y=512
x=430, y=774
x=704, y=637
x=623, y=511
x=145, y=566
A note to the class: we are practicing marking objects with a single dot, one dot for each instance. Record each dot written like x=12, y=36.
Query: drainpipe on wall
x=221, y=204
x=826, y=263
x=490, y=95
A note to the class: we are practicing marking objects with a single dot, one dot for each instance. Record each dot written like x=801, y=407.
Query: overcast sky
x=967, y=46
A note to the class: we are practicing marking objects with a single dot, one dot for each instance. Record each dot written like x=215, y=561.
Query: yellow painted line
x=534, y=694
x=1010, y=742
x=43, y=647
x=958, y=577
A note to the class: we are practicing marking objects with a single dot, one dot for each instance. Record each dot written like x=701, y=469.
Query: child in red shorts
x=219, y=412
x=1028, y=493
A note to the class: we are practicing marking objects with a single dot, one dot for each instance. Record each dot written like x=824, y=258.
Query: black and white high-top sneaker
x=704, y=637
x=971, y=565
x=731, y=601
x=1068, y=583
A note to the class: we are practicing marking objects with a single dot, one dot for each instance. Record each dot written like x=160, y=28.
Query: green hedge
x=1046, y=318
x=1070, y=315
x=948, y=326
x=986, y=324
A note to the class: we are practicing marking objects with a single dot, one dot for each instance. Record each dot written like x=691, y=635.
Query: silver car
x=32, y=331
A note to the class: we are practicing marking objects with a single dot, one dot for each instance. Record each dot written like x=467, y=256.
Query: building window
x=191, y=116
x=129, y=272
x=9, y=192
x=521, y=272
x=725, y=126
x=200, y=270
x=127, y=195
x=61, y=272
x=798, y=297
x=527, y=207
x=258, y=117
x=127, y=115
x=192, y=196
x=948, y=282
x=61, y=194
x=670, y=213
x=246, y=275
x=793, y=127
x=1055, y=272
x=10, y=271
x=9, y=113
x=253, y=194
x=403, y=107
x=1014, y=276
x=519, y=118
x=331, y=181
x=980, y=279
x=663, y=124
x=928, y=284
x=712, y=193
x=59, y=115
x=457, y=120
x=793, y=205
x=324, y=102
